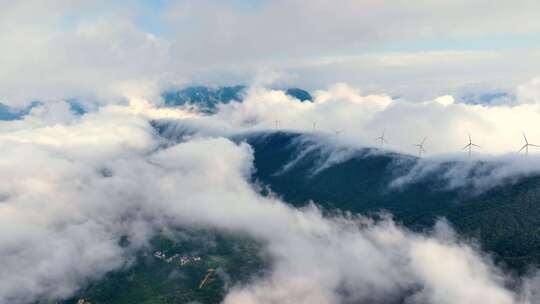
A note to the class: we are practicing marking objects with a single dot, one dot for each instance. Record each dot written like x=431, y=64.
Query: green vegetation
x=505, y=219
x=232, y=259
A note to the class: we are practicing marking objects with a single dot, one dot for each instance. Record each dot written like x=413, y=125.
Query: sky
x=97, y=50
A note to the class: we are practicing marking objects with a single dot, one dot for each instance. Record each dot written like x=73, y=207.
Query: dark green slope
x=223, y=259
x=505, y=219
x=359, y=184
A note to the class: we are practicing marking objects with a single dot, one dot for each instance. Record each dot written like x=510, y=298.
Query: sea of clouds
x=74, y=185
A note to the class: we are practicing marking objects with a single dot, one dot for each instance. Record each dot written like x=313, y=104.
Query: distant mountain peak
x=299, y=94
x=206, y=99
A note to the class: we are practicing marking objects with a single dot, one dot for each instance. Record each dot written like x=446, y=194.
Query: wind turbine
x=381, y=139
x=276, y=123
x=421, y=147
x=314, y=123
x=526, y=145
x=470, y=145
x=337, y=132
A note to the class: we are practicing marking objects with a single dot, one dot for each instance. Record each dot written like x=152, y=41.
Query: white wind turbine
x=526, y=145
x=470, y=145
x=421, y=147
x=381, y=139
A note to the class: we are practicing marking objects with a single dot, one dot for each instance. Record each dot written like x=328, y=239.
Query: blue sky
x=150, y=16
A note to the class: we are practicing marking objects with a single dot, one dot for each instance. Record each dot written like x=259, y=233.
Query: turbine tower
x=421, y=147
x=276, y=123
x=470, y=145
x=526, y=145
x=381, y=139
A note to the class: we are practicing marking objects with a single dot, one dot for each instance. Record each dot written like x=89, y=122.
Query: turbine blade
x=525, y=137
x=534, y=145
x=476, y=146
x=466, y=147
x=525, y=146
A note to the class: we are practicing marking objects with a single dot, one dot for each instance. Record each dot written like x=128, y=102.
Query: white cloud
x=445, y=122
x=529, y=92
x=90, y=50
x=360, y=119
x=61, y=220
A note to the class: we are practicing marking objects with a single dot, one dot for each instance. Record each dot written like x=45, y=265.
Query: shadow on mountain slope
x=504, y=218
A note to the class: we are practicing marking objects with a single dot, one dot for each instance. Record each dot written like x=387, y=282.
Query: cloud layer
x=73, y=187
x=360, y=119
